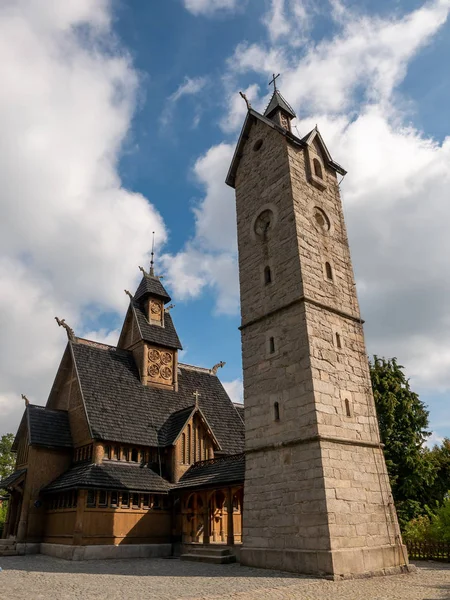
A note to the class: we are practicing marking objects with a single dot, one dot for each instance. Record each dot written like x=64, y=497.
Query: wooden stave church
x=133, y=451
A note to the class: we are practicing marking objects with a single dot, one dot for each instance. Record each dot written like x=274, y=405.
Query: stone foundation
x=334, y=564
x=103, y=552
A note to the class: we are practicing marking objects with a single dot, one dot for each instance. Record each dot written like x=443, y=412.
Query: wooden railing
x=429, y=551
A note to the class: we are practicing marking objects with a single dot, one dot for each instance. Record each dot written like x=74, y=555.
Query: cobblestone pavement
x=40, y=577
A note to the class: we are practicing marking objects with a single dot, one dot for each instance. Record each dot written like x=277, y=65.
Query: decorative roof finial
x=69, y=330
x=144, y=272
x=274, y=81
x=246, y=100
x=197, y=395
x=169, y=308
x=218, y=366
x=152, y=272
x=27, y=402
x=129, y=294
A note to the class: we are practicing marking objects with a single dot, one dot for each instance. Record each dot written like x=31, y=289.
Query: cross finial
x=274, y=81
x=196, y=395
x=152, y=273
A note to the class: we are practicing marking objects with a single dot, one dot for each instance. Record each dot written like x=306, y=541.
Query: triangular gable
x=251, y=118
x=22, y=431
x=197, y=410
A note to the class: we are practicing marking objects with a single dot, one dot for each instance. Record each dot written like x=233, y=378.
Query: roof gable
x=121, y=409
x=277, y=102
x=251, y=118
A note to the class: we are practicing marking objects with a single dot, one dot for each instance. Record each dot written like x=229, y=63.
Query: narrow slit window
x=135, y=500
x=125, y=500
x=114, y=499
x=183, y=448
x=271, y=345
x=276, y=411
x=267, y=276
x=338, y=341
x=146, y=500
x=328, y=271
x=189, y=444
x=107, y=451
x=317, y=168
x=102, y=498
x=134, y=455
x=347, y=408
x=117, y=452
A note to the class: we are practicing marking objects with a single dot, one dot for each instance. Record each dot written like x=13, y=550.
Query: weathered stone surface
x=316, y=483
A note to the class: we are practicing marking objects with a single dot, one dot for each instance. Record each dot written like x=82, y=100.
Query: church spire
x=278, y=109
x=152, y=261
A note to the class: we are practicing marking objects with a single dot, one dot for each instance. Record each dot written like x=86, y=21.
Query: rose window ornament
x=153, y=370
x=166, y=372
x=155, y=308
x=166, y=358
x=154, y=355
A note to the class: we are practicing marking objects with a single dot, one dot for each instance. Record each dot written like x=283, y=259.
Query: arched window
x=328, y=271
x=271, y=345
x=267, y=275
x=338, y=341
x=117, y=452
x=347, y=408
x=108, y=451
x=317, y=168
x=189, y=444
x=183, y=448
x=276, y=411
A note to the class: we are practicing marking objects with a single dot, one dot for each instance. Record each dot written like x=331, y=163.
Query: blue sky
x=120, y=118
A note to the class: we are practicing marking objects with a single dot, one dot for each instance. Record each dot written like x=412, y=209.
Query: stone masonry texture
x=317, y=495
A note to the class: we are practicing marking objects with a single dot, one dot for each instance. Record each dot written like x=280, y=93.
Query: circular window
x=263, y=222
x=257, y=145
x=321, y=220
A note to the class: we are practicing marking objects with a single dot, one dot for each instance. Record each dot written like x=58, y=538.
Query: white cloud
x=71, y=236
x=396, y=193
x=209, y=260
x=189, y=87
x=211, y=7
x=235, y=390
x=288, y=19
x=434, y=440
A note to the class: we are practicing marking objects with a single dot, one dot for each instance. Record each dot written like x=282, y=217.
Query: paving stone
x=39, y=577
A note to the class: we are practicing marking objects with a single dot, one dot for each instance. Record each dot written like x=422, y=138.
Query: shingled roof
x=121, y=409
x=153, y=287
x=49, y=427
x=214, y=472
x=112, y=476
x=13, y=478
x=162, y=336
x=277, y=101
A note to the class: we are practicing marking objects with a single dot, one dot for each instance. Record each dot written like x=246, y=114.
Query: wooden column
x=81, y=506
x=230, y=528
x=206, y=521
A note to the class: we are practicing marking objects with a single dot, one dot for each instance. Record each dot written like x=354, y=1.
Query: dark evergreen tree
x=403, y=421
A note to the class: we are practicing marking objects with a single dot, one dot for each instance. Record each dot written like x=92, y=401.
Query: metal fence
x=429, y=551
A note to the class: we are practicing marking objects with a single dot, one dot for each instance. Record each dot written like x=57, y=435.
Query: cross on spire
x=196, y=395
x=152, y=272
x=274, y=81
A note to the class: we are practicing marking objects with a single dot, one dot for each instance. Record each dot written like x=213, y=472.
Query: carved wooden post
x=206, y=518
x=230, y=529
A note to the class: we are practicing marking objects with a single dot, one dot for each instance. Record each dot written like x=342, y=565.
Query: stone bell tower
x=317, y=495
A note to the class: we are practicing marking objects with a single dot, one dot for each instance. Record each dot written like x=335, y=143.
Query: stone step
x=210, y=551
x=8, y=552
x=7, y=541
x=210, y=558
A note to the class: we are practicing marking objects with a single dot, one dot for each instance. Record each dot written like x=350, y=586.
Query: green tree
x=440, y=489
x=403, y=421
x=7, y=458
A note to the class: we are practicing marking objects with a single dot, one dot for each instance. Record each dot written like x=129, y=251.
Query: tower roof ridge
x=279, y=102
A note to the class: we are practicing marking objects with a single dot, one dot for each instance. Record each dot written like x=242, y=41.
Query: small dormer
x=149, y=333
